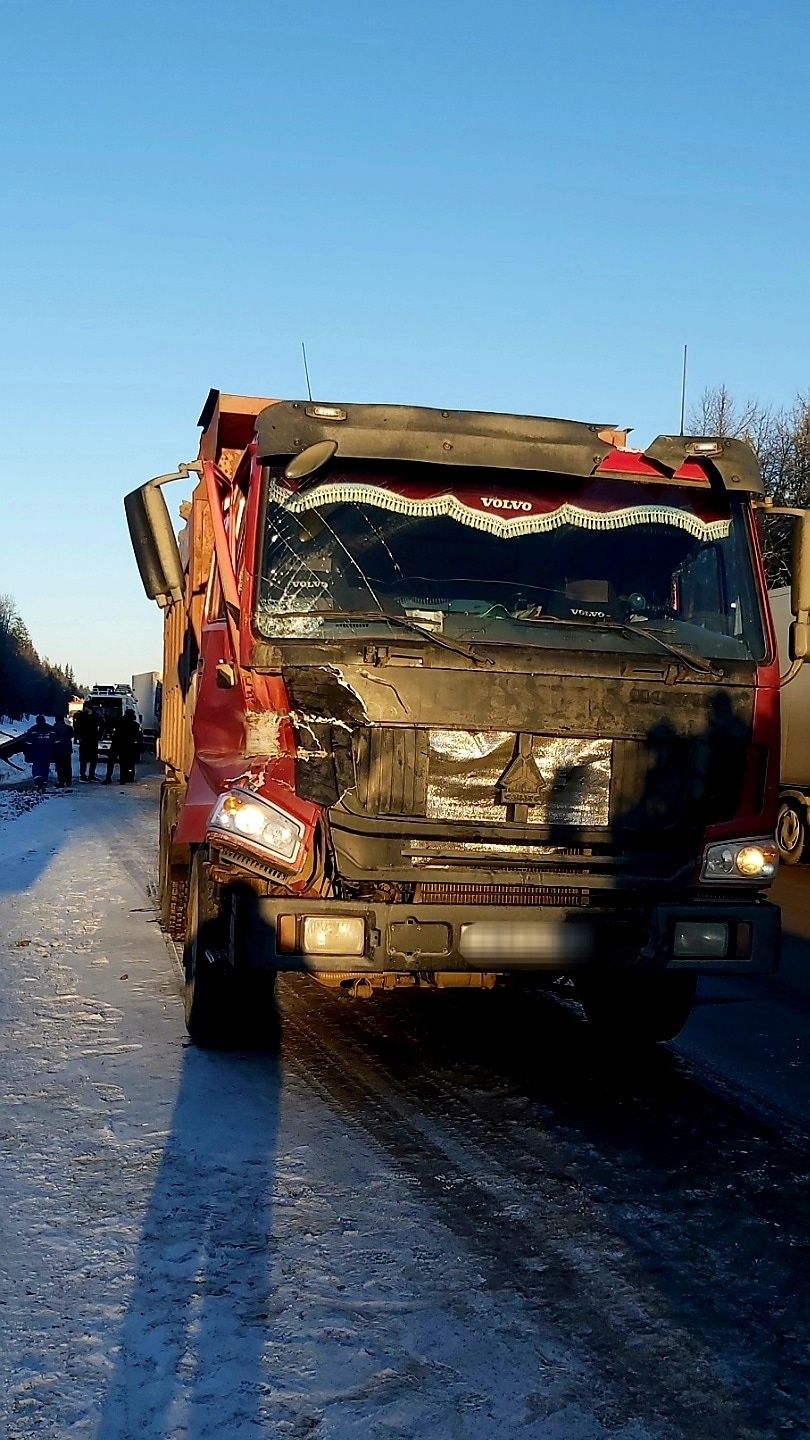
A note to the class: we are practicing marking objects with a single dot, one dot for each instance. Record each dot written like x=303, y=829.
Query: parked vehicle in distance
x=109, y=703
x=464, y=699
x=148, y=691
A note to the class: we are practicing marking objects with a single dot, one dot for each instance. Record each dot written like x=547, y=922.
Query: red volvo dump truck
x=456, y=698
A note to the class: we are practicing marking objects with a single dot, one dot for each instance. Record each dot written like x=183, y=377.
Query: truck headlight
x=245, y=816
x=736, y=861
x=695, y=938
x=333, y=935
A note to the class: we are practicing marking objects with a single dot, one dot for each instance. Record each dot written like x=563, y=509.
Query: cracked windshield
x=617, y=565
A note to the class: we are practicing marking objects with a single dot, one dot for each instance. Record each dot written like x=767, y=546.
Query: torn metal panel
x=324, y=767
x=263, y=733
x=575, y=701
x=326, y=710
x=322, y=693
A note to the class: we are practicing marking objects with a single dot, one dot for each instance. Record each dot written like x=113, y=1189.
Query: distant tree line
x=781, y=439
x=28, y=684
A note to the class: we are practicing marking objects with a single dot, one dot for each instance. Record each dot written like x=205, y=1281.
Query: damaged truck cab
x=455, y=698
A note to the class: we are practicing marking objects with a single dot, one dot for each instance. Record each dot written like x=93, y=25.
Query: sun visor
x=734, y=461
x=433, y=437
x=488, y=440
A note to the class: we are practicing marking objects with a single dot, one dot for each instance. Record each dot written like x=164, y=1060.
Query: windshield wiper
x=696, y=662
x=623, y=627
x=404, y=622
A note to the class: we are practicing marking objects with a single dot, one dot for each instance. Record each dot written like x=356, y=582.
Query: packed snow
x=209, y=1246
x=197, y=1245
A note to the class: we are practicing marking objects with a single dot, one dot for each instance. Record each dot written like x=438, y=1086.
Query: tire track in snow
x=541, y=1229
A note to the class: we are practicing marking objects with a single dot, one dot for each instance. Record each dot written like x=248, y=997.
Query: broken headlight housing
x=246, y=817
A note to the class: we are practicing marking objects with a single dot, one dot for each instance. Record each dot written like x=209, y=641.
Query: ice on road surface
x=192, y=1245
x=203, y=1246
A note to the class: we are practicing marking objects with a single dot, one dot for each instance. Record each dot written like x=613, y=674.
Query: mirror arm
x=222, y=550
x=771, y=509
x=184, y=471
x=795, y=667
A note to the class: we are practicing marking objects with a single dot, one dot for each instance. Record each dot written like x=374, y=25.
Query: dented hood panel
x=630, y=704
x=496, y=746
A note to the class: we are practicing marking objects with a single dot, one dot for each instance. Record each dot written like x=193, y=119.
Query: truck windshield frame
x=481, y=558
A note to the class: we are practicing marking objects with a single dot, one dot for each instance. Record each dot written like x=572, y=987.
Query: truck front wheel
x=791, y=832
x=226, y=1005
x=638, y=1009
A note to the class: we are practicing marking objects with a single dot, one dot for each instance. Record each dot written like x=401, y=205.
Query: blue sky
x=521, y=206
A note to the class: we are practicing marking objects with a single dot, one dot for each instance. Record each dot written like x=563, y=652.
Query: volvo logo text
x=497, y=502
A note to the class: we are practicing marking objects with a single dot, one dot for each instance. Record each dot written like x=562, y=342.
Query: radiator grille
x=562, y=896
x=491, y=776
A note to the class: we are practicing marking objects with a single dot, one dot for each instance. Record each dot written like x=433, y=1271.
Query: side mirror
x=308, y=462
x=155, y=544
x=799, y=643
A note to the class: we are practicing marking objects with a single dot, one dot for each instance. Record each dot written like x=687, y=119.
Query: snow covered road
x=428, y=1217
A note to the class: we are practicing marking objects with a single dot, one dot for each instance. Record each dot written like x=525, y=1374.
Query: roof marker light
x=705, y=447
x=325, y=412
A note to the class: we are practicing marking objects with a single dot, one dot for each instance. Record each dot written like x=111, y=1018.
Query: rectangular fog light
x=333, y=935
x=700, y=938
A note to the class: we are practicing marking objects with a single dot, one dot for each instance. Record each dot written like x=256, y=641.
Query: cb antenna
x=306, y=370
x=683, y=389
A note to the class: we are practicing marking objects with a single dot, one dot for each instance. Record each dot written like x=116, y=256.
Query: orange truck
x=464, y=699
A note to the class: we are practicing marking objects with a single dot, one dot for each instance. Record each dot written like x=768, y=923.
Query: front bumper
x=419, y=938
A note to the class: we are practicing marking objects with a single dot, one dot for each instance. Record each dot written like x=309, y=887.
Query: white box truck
x=109, y=702
x=147, y=690
x=793, y=824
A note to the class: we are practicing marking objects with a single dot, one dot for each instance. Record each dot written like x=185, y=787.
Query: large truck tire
x=791, y=832
x=173, y=876
x=637, y=1009
x=226, y=1005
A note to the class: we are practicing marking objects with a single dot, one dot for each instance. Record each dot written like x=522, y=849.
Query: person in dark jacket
x=124, y=748
x=62, y=737
x=85, y=729
x=38, y=751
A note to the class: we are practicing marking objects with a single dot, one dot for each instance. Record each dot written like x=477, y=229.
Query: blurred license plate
x=524, y=941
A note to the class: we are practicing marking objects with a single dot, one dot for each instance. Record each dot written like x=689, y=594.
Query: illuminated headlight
x=333, y=935
x=736, y=861
x=243, y=815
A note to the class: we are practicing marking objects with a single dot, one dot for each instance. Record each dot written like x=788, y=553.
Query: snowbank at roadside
x=16, y=792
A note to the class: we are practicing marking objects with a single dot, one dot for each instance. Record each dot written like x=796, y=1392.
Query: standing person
x=114, y=752
x=131, y=748
x=85, y=729
x=38, y=751
x=62, y=737
x=124, y=748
